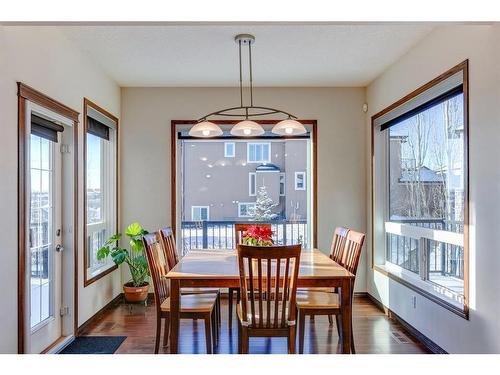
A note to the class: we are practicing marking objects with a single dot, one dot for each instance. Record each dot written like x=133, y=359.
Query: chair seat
x=193, y=303
x=239, y=312
x=318, y=300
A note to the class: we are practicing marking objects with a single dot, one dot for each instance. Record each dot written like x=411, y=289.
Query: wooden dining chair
x=274, y=269
x=327, y=303
x=172, y=257
x=193, y=306
x=239, y=228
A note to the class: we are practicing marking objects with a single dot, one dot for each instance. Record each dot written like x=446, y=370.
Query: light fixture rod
x=251, y=80
x=241, y=78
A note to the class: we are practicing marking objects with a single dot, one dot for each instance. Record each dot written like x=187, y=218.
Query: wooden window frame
x=173, y=167
x=88, y=103
x=464, y=68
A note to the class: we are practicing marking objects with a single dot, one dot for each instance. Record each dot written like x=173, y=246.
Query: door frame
x=27, y=94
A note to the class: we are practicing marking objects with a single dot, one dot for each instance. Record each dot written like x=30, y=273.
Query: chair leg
x=291, y=340
x=302, y=322
x=239, y=336
x=330, y=320
x=230, y=302
x=244, y=340
x=217, y=309
x=215, y=337
x=158, y=333
x=166, y=331
x=353, y=349
x=208, y=334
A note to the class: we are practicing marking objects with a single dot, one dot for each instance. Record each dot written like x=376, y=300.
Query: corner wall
x=439, y=51
x=43, y=58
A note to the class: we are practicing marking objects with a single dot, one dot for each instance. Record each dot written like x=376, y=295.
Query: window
x=101, y=189
x=423, y=170
x=229, y=149
x=300, y=180
x=282, y=185
x=252, y=184
x=259, y=152
x=200, y=213
x=246, y=209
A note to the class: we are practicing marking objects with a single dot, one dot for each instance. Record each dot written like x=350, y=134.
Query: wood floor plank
x=374, y=333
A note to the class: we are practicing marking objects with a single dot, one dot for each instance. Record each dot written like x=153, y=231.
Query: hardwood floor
x=373, y=333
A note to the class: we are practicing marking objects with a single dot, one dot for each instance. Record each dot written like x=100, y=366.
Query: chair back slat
x=158, y=266
x=352, y=251
x=239, y=228
x=168, y=240
x=273, y=291
x=338, y=243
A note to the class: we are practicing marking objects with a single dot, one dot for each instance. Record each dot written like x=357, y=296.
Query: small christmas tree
x=264, y=206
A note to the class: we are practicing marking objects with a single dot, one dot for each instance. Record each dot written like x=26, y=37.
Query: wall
x=42, y=58
x=146, y=116
x=442, y=49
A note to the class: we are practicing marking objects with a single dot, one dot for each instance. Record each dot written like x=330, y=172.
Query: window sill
x=98, y=274
x=435, y=293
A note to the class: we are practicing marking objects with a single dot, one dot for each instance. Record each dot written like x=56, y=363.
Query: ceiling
x=205, y=55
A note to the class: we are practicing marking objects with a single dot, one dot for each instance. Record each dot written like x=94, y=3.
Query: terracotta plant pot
x=135, y=293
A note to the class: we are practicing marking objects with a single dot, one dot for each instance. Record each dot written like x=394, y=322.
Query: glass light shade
x=289, y=127
x=247, y=128
x=205, y=129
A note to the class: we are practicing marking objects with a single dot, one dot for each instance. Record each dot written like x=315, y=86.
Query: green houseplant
x=135, y=290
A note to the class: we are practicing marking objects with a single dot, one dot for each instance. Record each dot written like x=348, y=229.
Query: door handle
x=59, y=248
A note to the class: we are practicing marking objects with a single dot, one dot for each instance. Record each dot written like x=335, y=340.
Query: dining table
x=209, y=268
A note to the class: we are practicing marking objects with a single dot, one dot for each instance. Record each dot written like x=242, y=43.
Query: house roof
x=425, y=175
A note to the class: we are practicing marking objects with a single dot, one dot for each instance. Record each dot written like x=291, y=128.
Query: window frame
x=110, y=204
x=200, y=207
x=244, y=204
x=252, y=186
x=304, y=177
x=262, y=161
x=226, y=154
x=422, y=286
x=283, y=175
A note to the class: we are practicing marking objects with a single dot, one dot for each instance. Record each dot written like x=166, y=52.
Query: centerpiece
x=258, y=235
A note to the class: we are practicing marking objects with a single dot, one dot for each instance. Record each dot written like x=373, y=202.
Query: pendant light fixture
x=247, y=128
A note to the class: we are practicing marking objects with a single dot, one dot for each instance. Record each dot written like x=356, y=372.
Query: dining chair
x=172, y=257
x=193, y=306
x=274, y=269
x=311, y=302
x=239, y=228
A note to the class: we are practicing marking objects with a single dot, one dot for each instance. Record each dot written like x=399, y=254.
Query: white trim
x=195, y=207
x=304, y=176
x=268, y=160
x=417, y=233
x=226, y=154
x=250, y=187
x=283, y=174
x=246, y=204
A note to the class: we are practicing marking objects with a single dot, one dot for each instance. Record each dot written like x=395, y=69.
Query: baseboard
x=98, y=314
x=427, y=342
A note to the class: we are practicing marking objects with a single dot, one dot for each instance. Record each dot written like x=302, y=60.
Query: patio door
x=45, y=235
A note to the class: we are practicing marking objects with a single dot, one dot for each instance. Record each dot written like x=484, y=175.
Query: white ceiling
x=283, y=55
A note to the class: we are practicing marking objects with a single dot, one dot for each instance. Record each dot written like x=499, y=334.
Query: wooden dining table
x=219, y=269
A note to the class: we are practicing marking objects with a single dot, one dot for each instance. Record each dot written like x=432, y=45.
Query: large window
x=422, y=154
x=101, y=188
x=259, y=152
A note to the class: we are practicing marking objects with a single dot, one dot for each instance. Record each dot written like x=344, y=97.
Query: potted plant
x=258, y=235
x=136, y=290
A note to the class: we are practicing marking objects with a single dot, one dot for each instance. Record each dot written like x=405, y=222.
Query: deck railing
x=220, y=234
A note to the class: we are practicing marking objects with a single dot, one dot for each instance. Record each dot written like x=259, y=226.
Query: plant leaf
x=119, y=255
x=133, y=230
x=102, y=253
x=111, y=240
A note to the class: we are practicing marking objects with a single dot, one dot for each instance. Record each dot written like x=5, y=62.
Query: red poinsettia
x=258, y=235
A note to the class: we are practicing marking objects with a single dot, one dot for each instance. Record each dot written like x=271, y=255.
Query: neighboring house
x=221, y=179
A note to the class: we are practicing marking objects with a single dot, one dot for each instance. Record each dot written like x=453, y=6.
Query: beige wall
x=145, y=142
x=439, y=51
x=44, y=59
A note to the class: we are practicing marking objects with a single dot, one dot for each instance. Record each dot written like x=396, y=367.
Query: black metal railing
x=220, y=234
x=442, y=258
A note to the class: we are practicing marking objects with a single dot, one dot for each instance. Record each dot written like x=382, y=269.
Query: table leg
x=174, y=315
x=346, y=307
